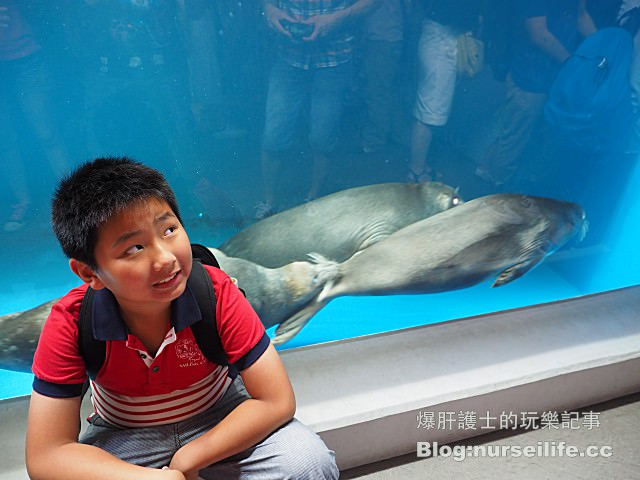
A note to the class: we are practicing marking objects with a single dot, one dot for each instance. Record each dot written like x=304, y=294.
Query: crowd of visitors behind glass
x=84, y=78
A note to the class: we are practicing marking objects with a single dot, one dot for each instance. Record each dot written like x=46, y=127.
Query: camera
x=298, y=30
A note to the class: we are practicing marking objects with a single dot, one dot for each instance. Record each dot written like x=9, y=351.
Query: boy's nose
x=163, y=259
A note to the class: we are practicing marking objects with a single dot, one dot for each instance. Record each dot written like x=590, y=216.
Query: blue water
x=212, y=160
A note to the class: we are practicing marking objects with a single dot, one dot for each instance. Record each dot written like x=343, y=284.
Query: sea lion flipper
x=292, y=325
x=517, y=270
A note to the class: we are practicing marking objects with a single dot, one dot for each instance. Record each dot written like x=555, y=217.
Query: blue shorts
x=289, y=90
x=292, y=451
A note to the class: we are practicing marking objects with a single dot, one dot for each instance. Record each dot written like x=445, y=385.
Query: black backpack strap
x=92, y=351
x=203, y=254
x=206, y=330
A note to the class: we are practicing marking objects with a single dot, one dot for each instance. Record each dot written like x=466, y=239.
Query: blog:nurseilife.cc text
x=541, y=449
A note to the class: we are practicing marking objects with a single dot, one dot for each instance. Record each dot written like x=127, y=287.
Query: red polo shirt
x=133, y=388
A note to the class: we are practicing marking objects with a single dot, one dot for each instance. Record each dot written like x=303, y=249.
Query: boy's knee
x=310, y=458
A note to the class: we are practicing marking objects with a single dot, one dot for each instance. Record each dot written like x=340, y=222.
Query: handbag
x=470, y=57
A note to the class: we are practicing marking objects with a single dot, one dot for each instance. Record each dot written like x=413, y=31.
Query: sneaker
x=263, y=210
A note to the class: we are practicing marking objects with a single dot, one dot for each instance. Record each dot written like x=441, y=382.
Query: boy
x=161, y=409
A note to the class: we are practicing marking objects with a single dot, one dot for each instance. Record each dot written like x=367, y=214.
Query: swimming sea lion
x=19, y=333
x=274, y=293
x=503, y=234
x=338, y=225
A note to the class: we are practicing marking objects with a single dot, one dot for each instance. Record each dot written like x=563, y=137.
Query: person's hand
x=323, y=25
x=4, y=17
x=275, y=16
x=173, y=474
x=178, y=463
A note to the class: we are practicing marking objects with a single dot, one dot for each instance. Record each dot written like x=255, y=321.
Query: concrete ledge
x=363, y=395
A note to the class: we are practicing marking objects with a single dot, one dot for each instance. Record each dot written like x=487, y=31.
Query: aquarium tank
x=260, y=112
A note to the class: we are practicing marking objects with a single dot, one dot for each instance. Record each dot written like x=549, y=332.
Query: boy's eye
x=133, y=249
x=170, y=230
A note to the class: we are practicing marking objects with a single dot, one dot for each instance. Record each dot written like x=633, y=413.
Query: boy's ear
x=86, y=273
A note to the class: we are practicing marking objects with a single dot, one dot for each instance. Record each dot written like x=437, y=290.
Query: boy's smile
x=144, y=258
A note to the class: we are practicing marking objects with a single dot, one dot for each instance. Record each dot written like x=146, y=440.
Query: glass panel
x=253, y=111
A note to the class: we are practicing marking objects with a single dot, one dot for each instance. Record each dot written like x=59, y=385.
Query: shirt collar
x=109, y=325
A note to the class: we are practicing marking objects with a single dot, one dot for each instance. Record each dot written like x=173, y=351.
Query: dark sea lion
x=19, y=333
x=340, y=224
x=274, y=293
x=503, y=234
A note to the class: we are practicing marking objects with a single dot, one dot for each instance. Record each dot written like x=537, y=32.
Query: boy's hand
x=173, y=474
x=186, y=472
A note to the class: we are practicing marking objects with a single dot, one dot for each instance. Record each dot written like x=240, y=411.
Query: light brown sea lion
x=340, y=224
x=502, y=234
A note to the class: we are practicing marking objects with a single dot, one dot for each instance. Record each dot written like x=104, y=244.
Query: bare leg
x=421, y=136
x=270, y=168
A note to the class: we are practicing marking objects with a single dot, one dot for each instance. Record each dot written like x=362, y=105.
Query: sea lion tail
x=292, y=325
x=328, y=272
x=325, y=273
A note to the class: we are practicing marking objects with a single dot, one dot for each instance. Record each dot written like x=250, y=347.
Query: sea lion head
x=439, y=197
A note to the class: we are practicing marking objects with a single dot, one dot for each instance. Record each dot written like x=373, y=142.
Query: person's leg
x=13, y=170
x=381, y=60
x=285, y=98
x=327, y=101
x=35, y=85
x=293, y=452
x=155, y=446
x=271, y=162
x=318, y=174
x=437, y=50
x=421, y=136
x=634, y=80
x=517, y=119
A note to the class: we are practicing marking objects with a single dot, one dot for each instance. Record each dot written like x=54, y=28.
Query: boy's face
x=143, y=256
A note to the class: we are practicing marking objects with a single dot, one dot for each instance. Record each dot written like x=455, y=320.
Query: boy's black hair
x=94, y=193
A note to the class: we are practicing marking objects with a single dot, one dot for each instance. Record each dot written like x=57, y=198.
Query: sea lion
x=274, y=293
x=338, y=225
x=19, y=333
x=502, y=234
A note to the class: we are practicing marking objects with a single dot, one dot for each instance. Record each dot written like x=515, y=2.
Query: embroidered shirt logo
x=188, y=352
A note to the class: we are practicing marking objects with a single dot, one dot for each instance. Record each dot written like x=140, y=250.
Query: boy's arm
x=271, y=405
x=53, y=451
